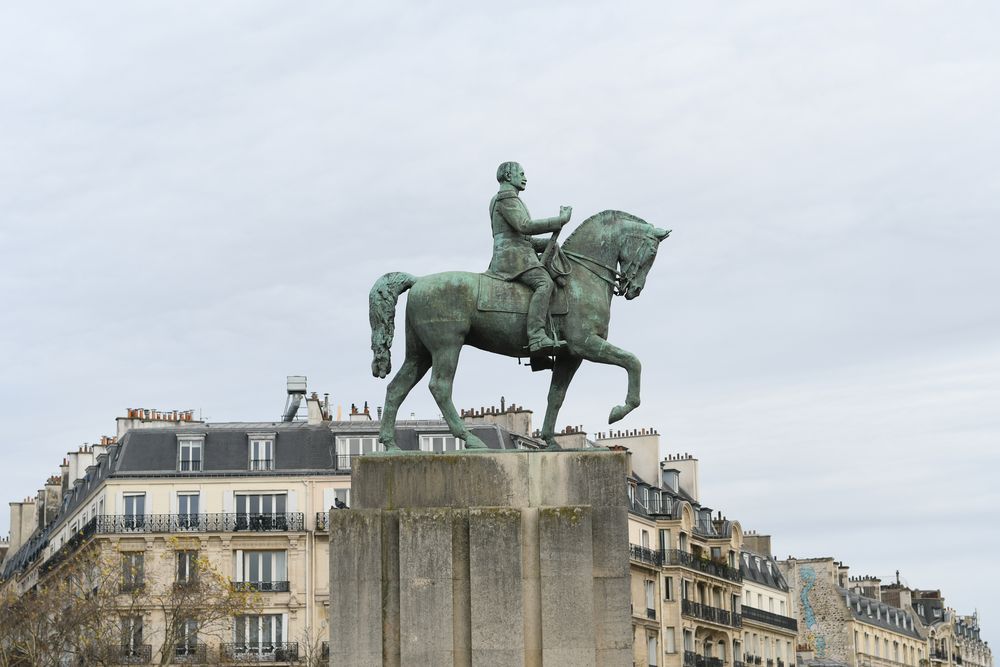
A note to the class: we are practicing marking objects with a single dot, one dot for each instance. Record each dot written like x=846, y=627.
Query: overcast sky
x=195, y=199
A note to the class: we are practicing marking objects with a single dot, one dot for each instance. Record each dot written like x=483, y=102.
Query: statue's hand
x=564, y=213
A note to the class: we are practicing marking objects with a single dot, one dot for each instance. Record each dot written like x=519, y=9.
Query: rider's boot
x=538, y=308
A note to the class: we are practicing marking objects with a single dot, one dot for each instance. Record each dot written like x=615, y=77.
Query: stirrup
x=544, y=344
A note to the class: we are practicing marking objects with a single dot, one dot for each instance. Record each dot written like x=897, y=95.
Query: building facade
x=251, y=498
x=769, y=632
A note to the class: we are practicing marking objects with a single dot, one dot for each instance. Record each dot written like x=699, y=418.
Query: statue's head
x=513, y=173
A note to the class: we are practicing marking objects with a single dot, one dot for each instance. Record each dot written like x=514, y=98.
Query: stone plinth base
x=482, y=559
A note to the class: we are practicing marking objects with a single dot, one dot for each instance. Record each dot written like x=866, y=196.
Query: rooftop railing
x=777, y=620
x=711, y=614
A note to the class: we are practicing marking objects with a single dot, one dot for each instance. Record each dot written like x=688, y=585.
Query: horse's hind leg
x=442, y=380
x=415, y=366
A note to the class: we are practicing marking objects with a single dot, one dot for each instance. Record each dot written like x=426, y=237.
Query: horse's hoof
x=472, y=442
x=618, y=412
x=551, y=445
x=391, y=447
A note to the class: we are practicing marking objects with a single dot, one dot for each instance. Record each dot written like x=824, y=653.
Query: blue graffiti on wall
x=807, y=576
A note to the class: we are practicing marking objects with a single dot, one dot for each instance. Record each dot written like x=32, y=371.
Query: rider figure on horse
x=515, y=249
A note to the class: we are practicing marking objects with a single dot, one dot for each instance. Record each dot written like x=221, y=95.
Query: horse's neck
x=597, y=244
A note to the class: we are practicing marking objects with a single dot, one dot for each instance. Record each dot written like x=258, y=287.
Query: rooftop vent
x=296, y=392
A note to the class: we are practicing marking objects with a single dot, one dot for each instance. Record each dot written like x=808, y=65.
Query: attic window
x=261, y=451
x=189, y=452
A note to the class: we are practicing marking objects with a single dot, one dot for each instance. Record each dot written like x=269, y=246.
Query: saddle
x=497, y=295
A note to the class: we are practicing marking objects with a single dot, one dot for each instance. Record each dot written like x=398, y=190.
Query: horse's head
x=638, y=250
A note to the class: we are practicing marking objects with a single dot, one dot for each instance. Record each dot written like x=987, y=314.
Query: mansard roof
x=875, y=612
x=762, y=570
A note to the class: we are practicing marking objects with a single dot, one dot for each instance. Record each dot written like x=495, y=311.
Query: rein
x=582, y=261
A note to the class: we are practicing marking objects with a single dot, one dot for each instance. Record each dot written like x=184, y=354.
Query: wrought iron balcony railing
x=690, y=659
x=191, y=654
x=259, y=653
x=685, y=559
x=322, y=521
x=711, y=614
x=140, y=654
x=644, y=554
x=777, y=620
x=325, y=650
x=261, y=586
x=261, y=464
x=200, y=523
x=650, y=613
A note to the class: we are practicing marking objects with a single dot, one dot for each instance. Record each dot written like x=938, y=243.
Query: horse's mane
x=603, y=217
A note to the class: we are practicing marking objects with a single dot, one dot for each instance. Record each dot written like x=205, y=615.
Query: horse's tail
x=382, y=316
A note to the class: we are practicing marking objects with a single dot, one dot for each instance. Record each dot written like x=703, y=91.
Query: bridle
x=620, y=282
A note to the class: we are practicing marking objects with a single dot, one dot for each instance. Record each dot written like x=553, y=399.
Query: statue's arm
x=517, y=217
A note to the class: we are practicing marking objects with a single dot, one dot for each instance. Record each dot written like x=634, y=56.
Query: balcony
x=191, y=655
x=140, y=654
x=739, y=663
x=711, y=614
x=690, y=659
x=777, y=620
x=259, y=653
x=324, y=650
x=685, y=559
x=655, y=506
x=200, y=523
x=322, y=521
x=260, y=586
x=650, y=613
x=261, y=464
x=644, y=554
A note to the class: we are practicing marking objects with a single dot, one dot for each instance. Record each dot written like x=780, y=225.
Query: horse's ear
x=661, y=234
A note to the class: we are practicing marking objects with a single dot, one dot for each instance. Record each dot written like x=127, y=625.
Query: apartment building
x=769, y=632
x=686, y=581
x=251, y=496
x=845, y=619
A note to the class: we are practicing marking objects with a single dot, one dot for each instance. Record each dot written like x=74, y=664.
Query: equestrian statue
x=554, y=309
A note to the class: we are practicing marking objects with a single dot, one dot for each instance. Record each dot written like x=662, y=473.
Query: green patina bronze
x=507, y=309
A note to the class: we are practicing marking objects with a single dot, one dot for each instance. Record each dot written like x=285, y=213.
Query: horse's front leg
x=562, y=374
x=595, y=348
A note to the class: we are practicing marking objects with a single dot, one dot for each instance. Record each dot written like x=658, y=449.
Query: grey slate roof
x=299, y=449
x=874, y=612
x=754, y=567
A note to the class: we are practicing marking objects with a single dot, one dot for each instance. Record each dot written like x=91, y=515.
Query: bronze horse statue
x=609, y=254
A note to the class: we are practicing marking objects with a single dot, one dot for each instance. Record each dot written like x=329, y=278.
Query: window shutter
x=174, y=508
x=238, y=557
x=291, y=504
x=120, y=503
x=227, y=502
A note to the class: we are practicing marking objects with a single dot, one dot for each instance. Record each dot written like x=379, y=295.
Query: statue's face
x=518, y=179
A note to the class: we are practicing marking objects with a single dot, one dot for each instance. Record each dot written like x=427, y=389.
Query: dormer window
x=261, y=451
x=189, y=452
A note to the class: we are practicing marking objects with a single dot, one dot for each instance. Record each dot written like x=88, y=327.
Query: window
x=135, y=511
x=261, y=570
x=645, y=539
x=651, y=653
x=668, y=588
x=685, y=589
x=688, y=640
x=189, y=453
x=187, y=567
x=665, y=542
x=132, y=570
x=748, y=599
x=782, y=603
x=350, y=447
x=668, y=641
x=735, y=602
x=258, y=634
x=261, y=452
x=770, y=604
x=187, y=643
x=132, y=637
x=716, y=554
x=650, y=589
x=187, y=511
x=440, y=443
x=261, y=511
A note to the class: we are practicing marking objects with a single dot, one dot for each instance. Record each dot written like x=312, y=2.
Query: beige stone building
x=686, y=582
x=252, y=497
x=846, y=620
x=769, y=632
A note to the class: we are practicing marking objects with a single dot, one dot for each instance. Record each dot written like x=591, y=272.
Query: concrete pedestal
x=510, y=558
